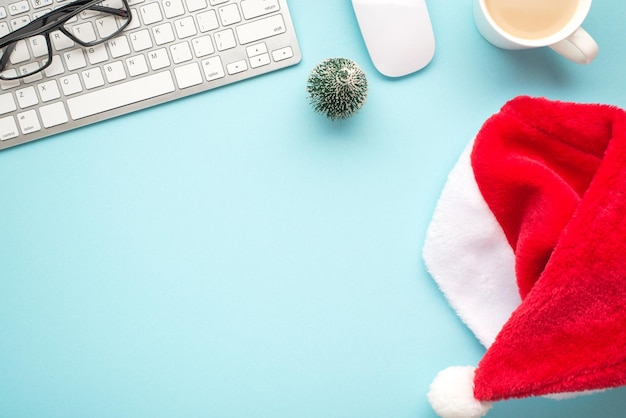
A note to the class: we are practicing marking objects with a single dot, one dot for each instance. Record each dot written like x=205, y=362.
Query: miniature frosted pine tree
x=337, y=87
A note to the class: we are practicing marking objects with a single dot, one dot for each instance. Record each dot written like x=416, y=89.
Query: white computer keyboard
x=171, y=49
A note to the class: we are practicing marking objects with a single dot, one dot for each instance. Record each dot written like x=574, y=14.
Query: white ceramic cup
x=571, y=41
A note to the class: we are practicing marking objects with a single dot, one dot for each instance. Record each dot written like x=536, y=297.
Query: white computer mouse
x=398, y=34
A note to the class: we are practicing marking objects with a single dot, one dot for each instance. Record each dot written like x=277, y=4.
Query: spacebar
x=120, y=95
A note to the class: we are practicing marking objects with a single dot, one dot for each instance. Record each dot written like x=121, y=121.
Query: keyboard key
x=121, y=95
x=207, y=21
x=8, y=128
x=260, y=60
x=97, y=54
x=260, y=29
x=163, y=34
x=237, y=67
x=256, y=8
x=85, y=31
x=203, y=46
x=141, y=40
x=213, y=68
x=195, y=5
x=257, y=49
x=7, y=103
x=49, y=91
x=20, y=53
x=185, y=27
x=55, y=68
x=27, y=97
x=40, y=13
x=181, y=52
x=71, y=84
x=20, y=22
x=75, y=59
x=18, y=7
x=61, y=41
x=119, y=47
x=173, y=8
x=42, y=3
x=106, y=25
x=159, y=59
x=29, y=68
x=29, y=122
x=151, y=13
x=9, y=84
x=188, y=75
x=4, y=28
x=92, y=78
x=135, y=22
x=137, y=65
x=38, y=45
x=282, y=53
x=229, y=15
x=225, y=40
x=114, y=71
x=53, y=115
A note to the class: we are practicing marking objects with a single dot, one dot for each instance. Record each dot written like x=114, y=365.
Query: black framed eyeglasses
x=28, y=50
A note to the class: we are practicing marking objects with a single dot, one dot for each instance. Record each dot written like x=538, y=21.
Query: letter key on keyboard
x=168, y=50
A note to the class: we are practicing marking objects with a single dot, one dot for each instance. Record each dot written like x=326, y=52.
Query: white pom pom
x=452, y=394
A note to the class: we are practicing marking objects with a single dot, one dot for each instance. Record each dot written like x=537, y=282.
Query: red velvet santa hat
x=528, y=244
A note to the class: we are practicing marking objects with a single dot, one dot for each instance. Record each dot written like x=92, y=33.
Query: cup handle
x=578, y=47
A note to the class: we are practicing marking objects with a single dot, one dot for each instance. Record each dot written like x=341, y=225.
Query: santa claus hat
x=528, y=244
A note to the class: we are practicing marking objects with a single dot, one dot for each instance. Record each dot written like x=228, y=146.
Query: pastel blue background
x=234, y=254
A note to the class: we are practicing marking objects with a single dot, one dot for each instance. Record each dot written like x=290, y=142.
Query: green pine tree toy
x=337, y=87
